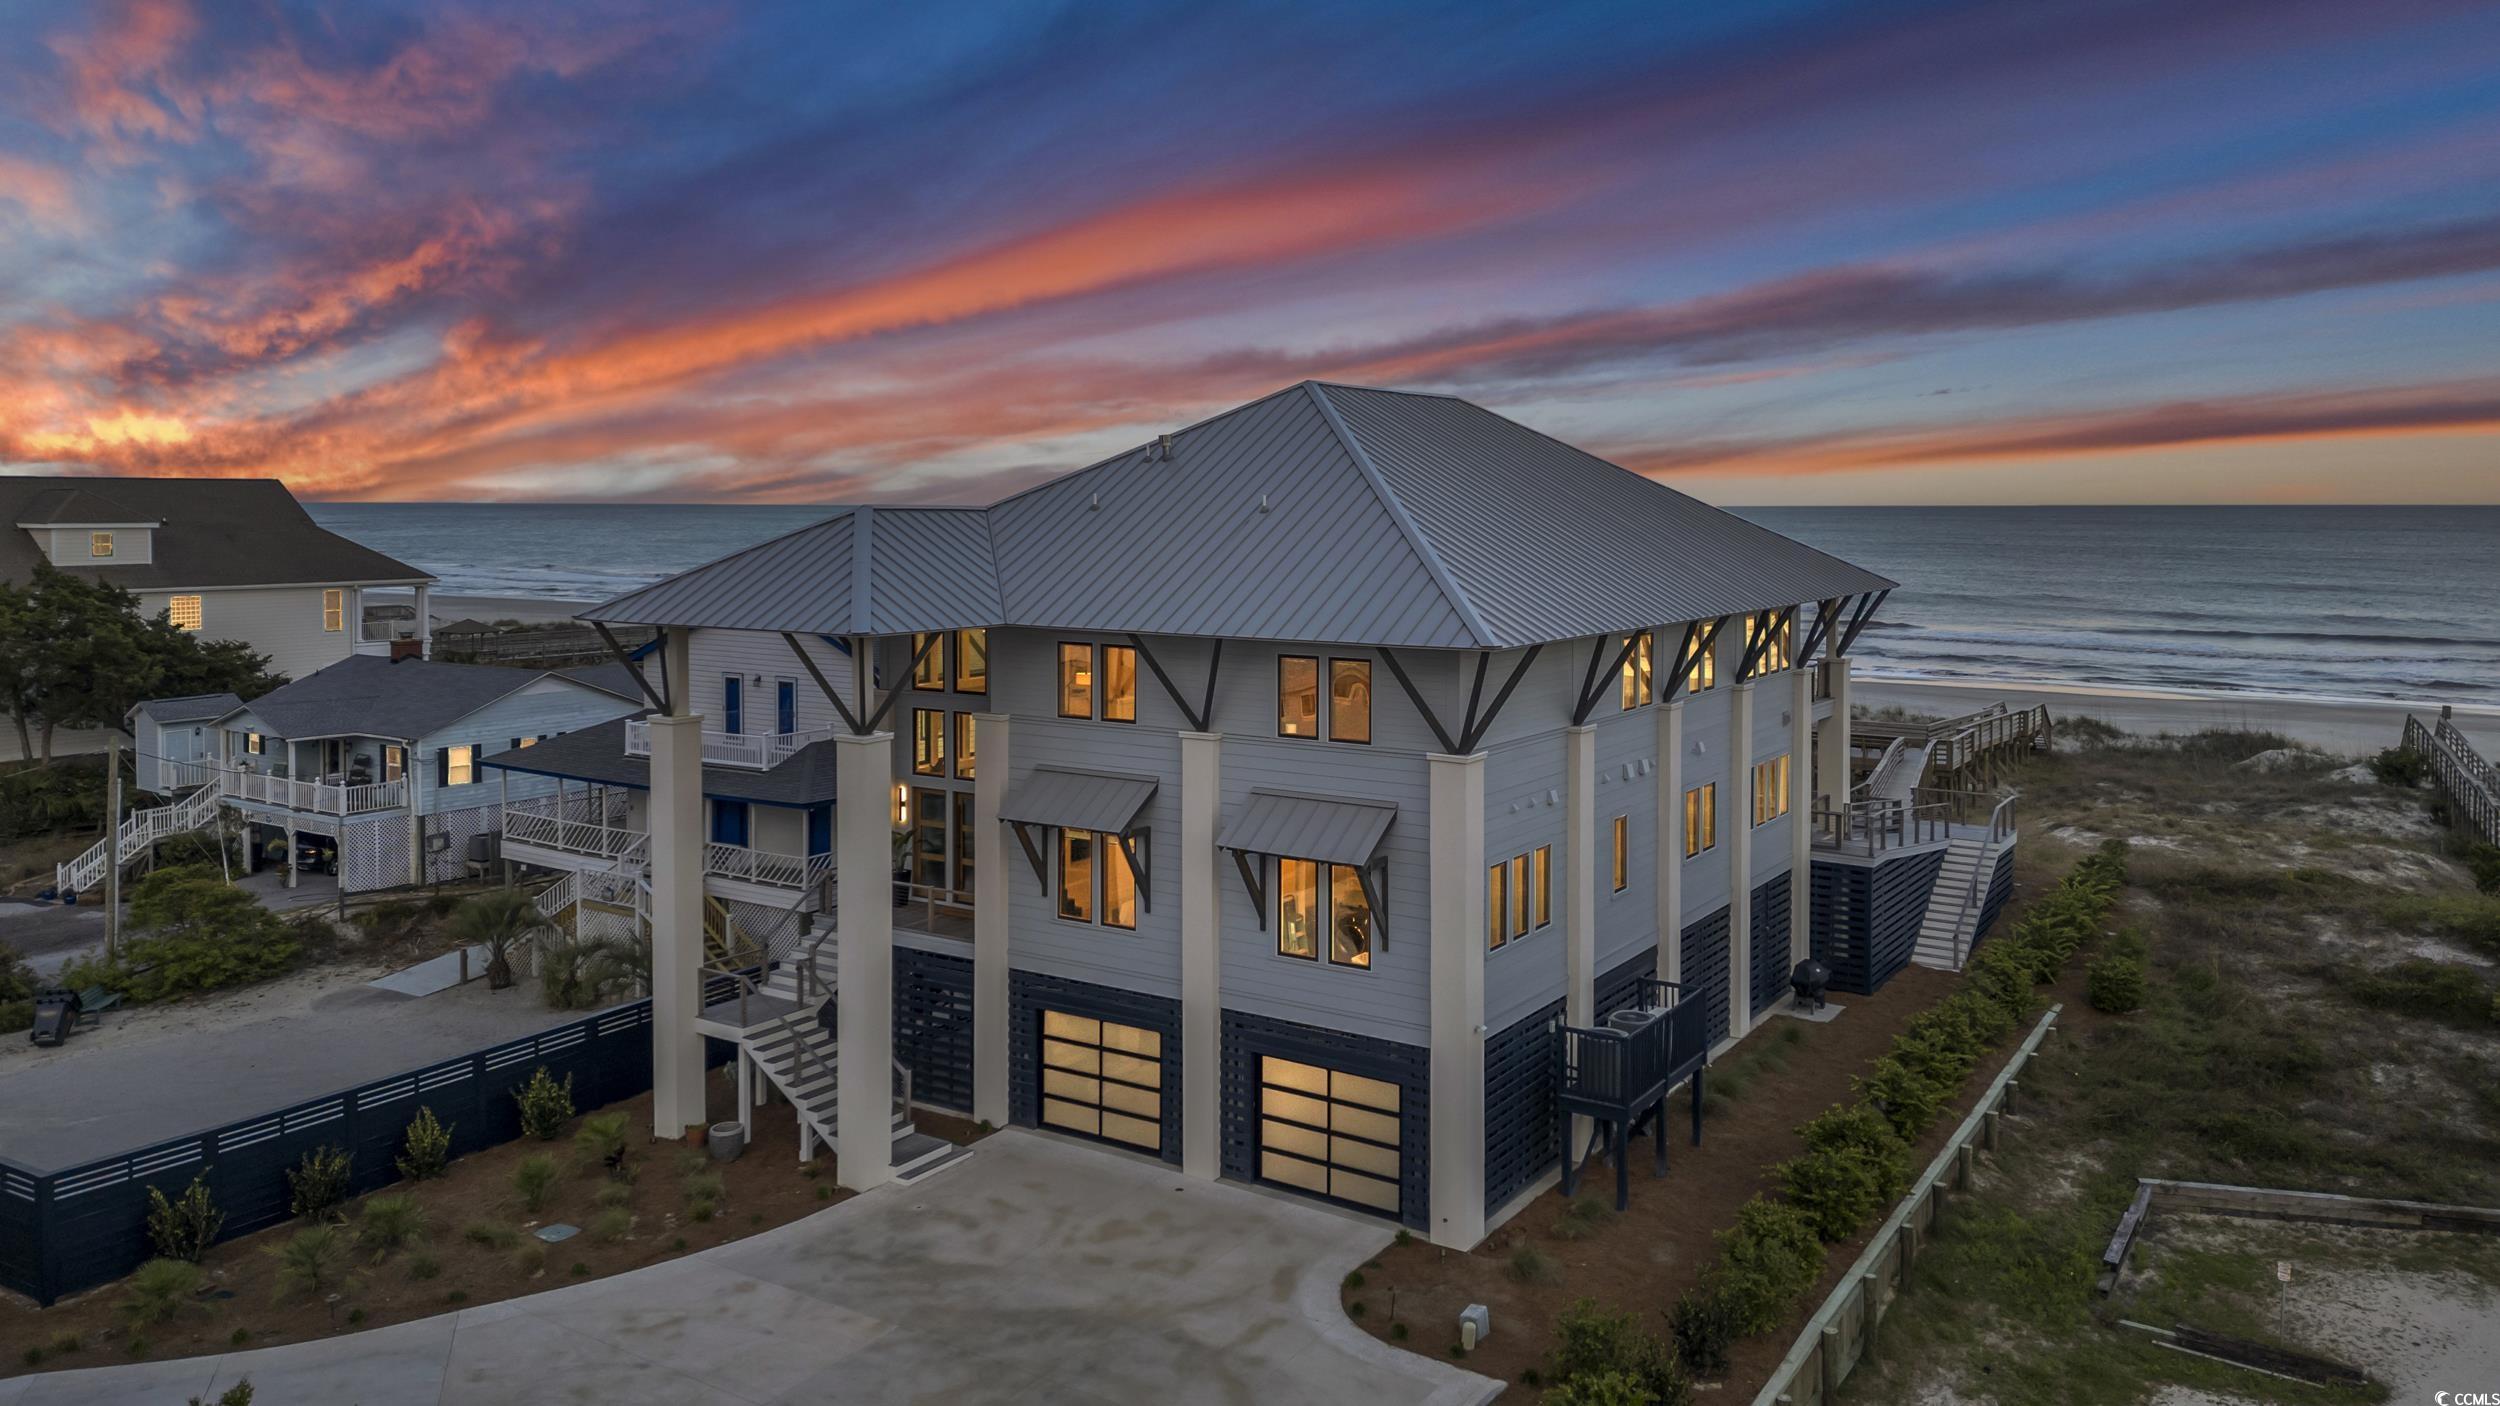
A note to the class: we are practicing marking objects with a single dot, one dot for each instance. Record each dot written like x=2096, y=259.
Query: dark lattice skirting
x=1705, y=971
x=1029, y=993
x=2000, y=892
x=1866, y=917
x=1246, y=1037
x=1620, y=987
x=1770, y=943
x=1521, y=1140
x=933, y=1026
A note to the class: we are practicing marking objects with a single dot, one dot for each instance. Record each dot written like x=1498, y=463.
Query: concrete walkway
x=1035, y=1271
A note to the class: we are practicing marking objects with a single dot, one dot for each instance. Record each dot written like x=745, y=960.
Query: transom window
x=333, y=612
x=1775, y=652
x=184, y=611
x=1770, y=789
x=99, y=544
x=972, y=661
x=1314, y=897
x=928, y=741
x=1701, y=819
x=1637, y=670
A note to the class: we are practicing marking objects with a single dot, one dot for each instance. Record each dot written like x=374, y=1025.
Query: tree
x=498, y=921
x=76, y=653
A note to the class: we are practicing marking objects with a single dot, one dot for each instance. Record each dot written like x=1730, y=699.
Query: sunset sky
x=1773, y=252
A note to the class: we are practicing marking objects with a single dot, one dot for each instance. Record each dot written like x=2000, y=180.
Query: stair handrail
x=2000, y=825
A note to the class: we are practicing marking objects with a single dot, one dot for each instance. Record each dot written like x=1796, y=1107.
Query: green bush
x=535, y=1180
x=1854, y=1166
x=612, y=1224
x=600, y=1142
x=17, y=991
x=2401, y=766
x=390, y=1223
x=319, y=1182
x=196, y=934
x=183, y=1227
x=159, y=1290
x=312, y=1264
x=2483, y=862
x=1703, y=1323
x=426, y=1149
x=2114, y=982
x=546, y=1106
x=2449, y=990
x=1596, y=1351
x=1767, y=1260
x=1906, y=1093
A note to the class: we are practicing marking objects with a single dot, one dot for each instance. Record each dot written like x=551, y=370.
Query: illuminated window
x=966, y=726
x=1119, y=683
x=1623, y=852
x=1314, y=898
x=928, y=742
x=1770, y=789
x=1076, y=875
x=1497, y=905
x=1119, y=884
x=99, y=544
x=972, y=661
x=185, y=611
x=253, y=743
x=459, y=765
x=928, y=671
x=394, y=762
x=1701, y=819
x=1636, y=672
x=902, y=805
x=520, y=742
x=1076, y=680
x=1297, y=696
x=1705, y=673
x=1543, y=877
x=1350, y=700
x=1775, y=652
x=333, y=612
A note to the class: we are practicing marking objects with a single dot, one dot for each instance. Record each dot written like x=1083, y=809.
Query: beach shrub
x=158, y=1290
x=17, y=991
x=1606, y=1357
x=312, y=1264
x=600, y=1141
x=425, y=1150
x=501, y=921
x=535, y=1180
x=1767, y=1260
x=319, y=1182
x=2114, y=982
x=2401, y=766
x=1702, y=1323
x=390, y=1223
x=546, y=1106
x=196, y=934
x=1530, y=1265
x=1854, y=1165
x=2450, y=991
x=183, y=1227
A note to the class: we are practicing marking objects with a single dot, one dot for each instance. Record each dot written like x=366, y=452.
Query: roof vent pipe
x=1164, y=441
x=1096, y=505
x=1262, y=502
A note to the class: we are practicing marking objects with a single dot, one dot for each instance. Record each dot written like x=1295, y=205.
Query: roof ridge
x=1109, y=459
x=1406, y=524
x=839, y=510
x=863, y=570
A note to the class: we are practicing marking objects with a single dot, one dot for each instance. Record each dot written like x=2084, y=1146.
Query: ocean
x=2388, y=603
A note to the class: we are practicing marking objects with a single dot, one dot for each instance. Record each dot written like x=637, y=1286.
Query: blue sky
x=1773, y=253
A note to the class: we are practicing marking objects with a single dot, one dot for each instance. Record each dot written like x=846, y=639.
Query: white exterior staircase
x=139, y=830
x=1954, y=904
x=800, y=1059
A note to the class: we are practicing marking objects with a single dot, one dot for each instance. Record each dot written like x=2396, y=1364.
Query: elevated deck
x=1619, y=1076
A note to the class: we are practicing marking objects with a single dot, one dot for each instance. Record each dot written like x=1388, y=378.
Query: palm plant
x=498, y=921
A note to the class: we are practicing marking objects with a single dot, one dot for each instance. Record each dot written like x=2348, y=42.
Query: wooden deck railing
x=2472, y=784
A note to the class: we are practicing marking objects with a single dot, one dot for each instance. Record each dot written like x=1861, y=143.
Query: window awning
x=1309, y=827
x=1078, y=800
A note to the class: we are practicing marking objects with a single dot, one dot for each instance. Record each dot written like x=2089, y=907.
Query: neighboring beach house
x=377, y=757
x=232, y=559
x=1290, y=798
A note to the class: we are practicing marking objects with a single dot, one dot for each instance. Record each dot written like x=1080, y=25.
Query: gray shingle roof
x=1323, y=514
x=192, y=708
x=598, y=754
x=368, y=695
x=212, y=532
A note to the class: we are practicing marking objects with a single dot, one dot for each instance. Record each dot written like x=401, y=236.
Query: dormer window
x=99, y=544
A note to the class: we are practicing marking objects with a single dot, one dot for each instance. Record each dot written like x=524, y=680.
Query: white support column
x=1579, y=889
x=863, y=1149
x=1736, y=804
x=1801, y=818
x=1671, y=841
x=1202, y=959
x=990, y=961
x=290, y=854
x=1458, y=947
x=676, y=868
x=425, y=621
x=1832, y=741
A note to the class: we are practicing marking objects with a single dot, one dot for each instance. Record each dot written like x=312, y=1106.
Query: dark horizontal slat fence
x=64, y=1231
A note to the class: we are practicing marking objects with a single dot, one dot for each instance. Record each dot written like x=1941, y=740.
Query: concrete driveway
x=1035, y=1271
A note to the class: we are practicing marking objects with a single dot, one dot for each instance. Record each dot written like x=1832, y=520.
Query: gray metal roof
x=1335, y=829
x=211, y=532
x=367, y=695
x=1321, y=514
x=598, y=754
x=191, y=708
x=1078, y=800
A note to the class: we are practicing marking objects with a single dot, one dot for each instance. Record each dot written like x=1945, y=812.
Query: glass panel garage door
x=1329, y=1133
x=1102, y=1079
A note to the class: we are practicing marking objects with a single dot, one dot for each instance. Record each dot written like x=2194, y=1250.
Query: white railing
x=763, y=866
x=756, y=751
x=319, y=797
x=138, y=830
x=558, y=896
x=535, y=823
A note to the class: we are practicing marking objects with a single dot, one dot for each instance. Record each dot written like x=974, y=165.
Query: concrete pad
x=526, y=1360
x=139, y=1384
x=401, y=1365
x=434, y=973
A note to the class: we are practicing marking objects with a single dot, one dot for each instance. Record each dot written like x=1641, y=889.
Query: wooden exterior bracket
x=1414, y=695
x=1250, y=880
x=1689, y=658
x=1041, y=870
x=832, y=695
x=1201, y=716
x=1127, y=841
x=1593, y=687
x=658, y=696
x=1866, y=611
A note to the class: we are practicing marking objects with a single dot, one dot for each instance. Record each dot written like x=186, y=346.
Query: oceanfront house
x=367, y=770
x=1317, y=796
x=230, y=559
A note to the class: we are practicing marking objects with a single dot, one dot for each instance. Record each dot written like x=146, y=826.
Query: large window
x=1119, y=683
x=185, y=611
x=1322, y=904
x=1519, y=893
x=1076, y=680
x=1701, y=819
x=1350, y=700
x=1541, y=867
x=99, y=544
x=1770, y=789
x=459, y=764
x=1119, y=885
x=1497, y=905
x=333, y=612
x=1623, y=852
x=1775, y=649
x=928, y=741
x=972, y=661
x=1705, y=673
x=1076, y=875
x=928, y=671
x=1637, y=666
x=1297, y=695
x=967, y=729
